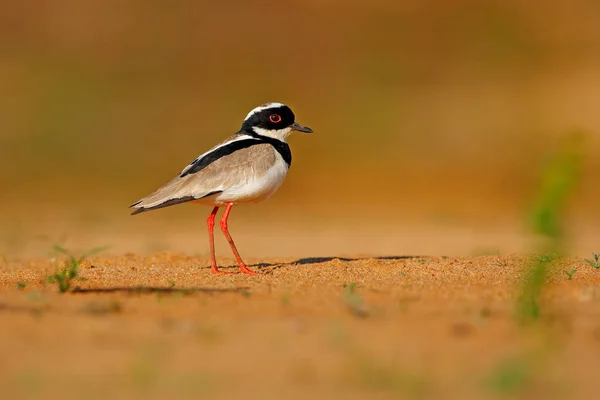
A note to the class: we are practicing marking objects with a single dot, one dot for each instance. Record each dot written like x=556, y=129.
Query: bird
x=247, y=167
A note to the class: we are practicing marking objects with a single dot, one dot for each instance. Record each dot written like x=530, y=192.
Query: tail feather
x=139, y=210
x=167, y=203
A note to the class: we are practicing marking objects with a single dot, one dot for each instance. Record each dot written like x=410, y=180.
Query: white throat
x=279, y=134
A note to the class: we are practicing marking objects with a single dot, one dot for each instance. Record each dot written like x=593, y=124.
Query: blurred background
x=433, y=121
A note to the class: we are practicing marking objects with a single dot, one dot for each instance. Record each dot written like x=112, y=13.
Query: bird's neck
x=278, y=143
x=279, y=134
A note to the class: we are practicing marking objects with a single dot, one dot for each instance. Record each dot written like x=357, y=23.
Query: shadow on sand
x=320, y=260
x=161, y=290
x=265, y=268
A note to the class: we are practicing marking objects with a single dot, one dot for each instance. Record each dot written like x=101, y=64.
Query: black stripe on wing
x=201, y=163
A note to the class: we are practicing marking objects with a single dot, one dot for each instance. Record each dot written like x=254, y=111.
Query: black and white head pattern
x=273, y=120
x=269, y=123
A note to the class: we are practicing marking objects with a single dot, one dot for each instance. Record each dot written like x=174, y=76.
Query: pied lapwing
x=247, y=167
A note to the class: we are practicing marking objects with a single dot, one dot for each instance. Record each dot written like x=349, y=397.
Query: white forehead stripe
x=263, y=107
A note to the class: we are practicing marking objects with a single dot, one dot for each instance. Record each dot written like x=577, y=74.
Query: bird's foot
x=246, y=270
x=217, y=271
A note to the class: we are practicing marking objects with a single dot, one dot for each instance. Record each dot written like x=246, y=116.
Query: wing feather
x=226, y=172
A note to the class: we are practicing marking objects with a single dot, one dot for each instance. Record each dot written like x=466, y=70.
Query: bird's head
x=274, y=120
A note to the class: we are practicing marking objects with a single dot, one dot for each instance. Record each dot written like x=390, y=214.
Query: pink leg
x=210, y=223
x=225, y=230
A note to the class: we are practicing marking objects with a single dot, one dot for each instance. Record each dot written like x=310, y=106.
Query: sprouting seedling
x=558, y=180
x=528, y=302
x=350, y=287
x=595, y=262
x=63, y=278
x=354, y=301
x=546, y=258
x=70, y=270
x=511, y=377
x=171, y=283
x=21, y=285
x=570, y=273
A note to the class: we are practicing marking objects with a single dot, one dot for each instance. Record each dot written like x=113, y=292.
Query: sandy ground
x=162, y=326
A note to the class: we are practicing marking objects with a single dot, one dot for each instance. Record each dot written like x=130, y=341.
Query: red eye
x=275, y=118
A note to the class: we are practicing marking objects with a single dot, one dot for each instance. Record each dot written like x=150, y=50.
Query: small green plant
x=570, y=273
x=528, y=302
x=546, y=258
x=595, y=262
x=171, y=283
x=350, y=287
x=63, y=277
x=354, y=301
x=510, y=378
x=558, y=180
x=70, y=270
x=21, y=285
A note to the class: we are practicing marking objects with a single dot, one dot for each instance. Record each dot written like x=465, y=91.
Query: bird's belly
x=255, y=188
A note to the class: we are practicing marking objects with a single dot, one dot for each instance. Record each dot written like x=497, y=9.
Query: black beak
x=301, y=128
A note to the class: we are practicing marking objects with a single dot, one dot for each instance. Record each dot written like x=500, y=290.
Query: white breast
x=255, y=188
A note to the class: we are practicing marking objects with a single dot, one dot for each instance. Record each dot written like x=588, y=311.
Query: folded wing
x=234, y=164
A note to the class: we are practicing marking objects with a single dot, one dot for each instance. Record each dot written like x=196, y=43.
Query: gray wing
x=228, y=171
